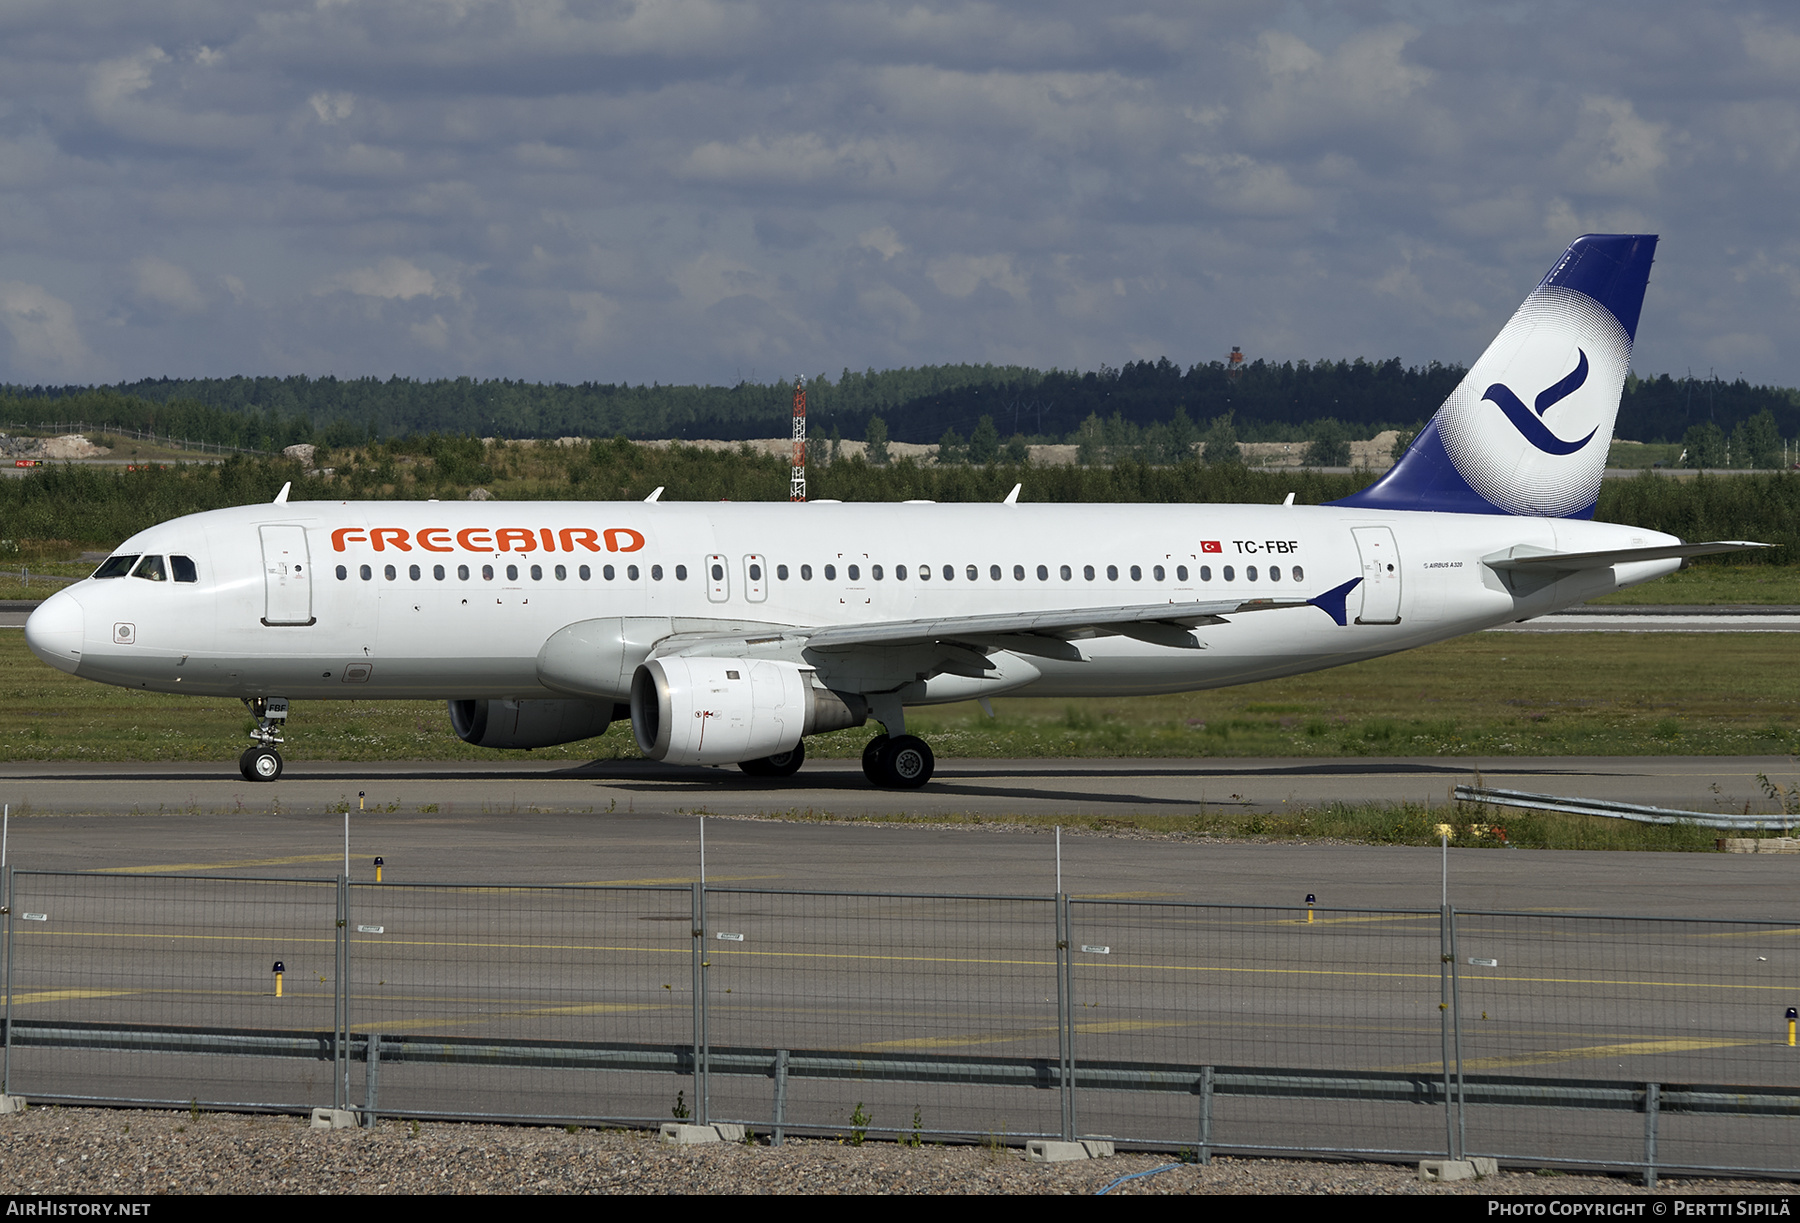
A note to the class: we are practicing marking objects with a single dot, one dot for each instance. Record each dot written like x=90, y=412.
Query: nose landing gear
x=260, y=761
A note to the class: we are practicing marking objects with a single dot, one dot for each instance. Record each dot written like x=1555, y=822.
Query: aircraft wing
x=1162, y=623
x=1044, y=634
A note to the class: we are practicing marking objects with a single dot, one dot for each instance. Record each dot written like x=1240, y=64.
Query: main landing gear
x=260, y=761
x=783, y=764
x=898, y=762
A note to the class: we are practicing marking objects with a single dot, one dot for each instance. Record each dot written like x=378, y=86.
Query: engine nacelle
x=727, y=710
x=529, y=723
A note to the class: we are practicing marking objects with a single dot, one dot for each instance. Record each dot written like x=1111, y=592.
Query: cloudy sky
x=687, y=190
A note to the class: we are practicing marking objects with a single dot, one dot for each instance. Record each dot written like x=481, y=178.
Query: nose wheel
x=898, y=762
x=260, y=763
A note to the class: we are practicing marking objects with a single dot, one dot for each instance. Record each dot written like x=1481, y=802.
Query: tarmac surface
x=637, y=822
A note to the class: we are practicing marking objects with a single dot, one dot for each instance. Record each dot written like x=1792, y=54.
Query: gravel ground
x=82, y=1151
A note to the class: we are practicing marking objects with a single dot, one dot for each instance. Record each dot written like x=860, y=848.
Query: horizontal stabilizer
x=1526, y=557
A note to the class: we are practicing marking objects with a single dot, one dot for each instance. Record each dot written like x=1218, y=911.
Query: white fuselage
x=456, y=600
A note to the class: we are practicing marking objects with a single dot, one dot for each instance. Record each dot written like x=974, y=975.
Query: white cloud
x=46, y=342
x=395, y=279
x=332, y=107
x=167, y=284
x=114, y=81
x=961, y=275
x=882, y=240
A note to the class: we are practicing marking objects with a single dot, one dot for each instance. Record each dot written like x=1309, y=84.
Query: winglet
x=653, y=496
x=1012, y=498
x=281, y=497
x=1332, y=602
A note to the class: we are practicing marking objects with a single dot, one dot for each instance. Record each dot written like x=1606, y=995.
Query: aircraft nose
x=54, y=631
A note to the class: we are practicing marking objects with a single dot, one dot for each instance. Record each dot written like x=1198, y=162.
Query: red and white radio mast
x=797, y=480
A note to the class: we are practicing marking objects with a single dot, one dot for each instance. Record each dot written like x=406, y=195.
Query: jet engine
x=529, y=723
x=728, y=710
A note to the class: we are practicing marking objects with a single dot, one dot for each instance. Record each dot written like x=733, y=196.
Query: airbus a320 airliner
x=728, y=633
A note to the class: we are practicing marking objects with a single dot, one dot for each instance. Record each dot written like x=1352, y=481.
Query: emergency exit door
x=1381, y=575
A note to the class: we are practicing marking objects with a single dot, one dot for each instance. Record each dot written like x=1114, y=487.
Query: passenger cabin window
x=781, y=573
x=806, y=573
x=184, y=569
x=412, y=571
x=1299, y=575
x=631, y=573
x=1158, y=573
x=117, y=566
x=342, y=573
x=1137, y=573
x=681, y=573
x=462, y=573
x=875, y=572
x=994, y=572
x=1181, y=573
x=150, y=569
x=1112, y=573
x=830, y=573
x=366, y=573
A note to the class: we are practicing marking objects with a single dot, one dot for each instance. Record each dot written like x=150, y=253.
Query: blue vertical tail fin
x=1528, y=428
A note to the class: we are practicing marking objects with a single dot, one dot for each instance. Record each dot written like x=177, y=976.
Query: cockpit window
x=117, y=566
x=184, y=569
x=150, y=569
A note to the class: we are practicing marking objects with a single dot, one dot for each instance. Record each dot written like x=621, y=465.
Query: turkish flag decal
x=1210, y=545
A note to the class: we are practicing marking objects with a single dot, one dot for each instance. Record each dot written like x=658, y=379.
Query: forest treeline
x=99, y=506
x=1267, y=402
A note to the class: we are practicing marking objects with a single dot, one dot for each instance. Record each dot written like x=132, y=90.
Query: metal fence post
x=371, y=1079
x=1444, y=1027
x=1065, y=1018
x=699, y=1018
x=1456, y=1031
x=6, y=916
x=1203, y=1153
x=1652, y=1107
x=340, y=1003
x=779, y=1129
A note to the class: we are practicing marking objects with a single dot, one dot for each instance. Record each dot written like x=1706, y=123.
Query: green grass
x=1368, y=824
x=1487, y=694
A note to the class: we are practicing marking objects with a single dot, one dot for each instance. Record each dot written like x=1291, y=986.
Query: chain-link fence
x=1542, y=1039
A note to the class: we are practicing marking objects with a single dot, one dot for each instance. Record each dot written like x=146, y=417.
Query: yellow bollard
x=1309, y=908
x=359, y=801
x=279, y=969
x=1792, y=1015
x=378, y=870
